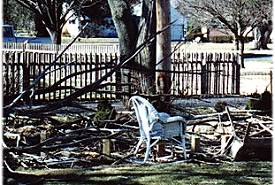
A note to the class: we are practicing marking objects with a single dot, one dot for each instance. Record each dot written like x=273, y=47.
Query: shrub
x=105, y=111
x=220, y=106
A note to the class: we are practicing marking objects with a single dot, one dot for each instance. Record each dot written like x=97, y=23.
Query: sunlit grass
x=207, y=45
x=177, y=174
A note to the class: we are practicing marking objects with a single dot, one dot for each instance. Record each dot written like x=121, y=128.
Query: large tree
x=133, y=33
x=125, y=26
x=53, y=14
x=239, y=16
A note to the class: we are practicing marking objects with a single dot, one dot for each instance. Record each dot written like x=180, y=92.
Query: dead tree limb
x=42, y=75
x=91, y=87
x=42, y=146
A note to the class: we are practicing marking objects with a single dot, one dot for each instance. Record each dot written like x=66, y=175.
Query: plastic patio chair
x=156, y=126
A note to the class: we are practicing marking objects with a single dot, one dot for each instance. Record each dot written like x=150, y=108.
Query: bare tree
x=52, y=13
x=239, y=16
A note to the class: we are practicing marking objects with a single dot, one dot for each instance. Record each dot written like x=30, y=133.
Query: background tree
x=263, y=32
x=147, y=57
x=239, y=16
x=12, y=14
x=52, y=14
x=100, y=9
x=40, y=28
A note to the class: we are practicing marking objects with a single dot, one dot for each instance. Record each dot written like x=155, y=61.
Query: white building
x=178, y=28
x=73, y=24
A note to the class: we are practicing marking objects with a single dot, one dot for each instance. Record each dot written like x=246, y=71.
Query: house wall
x=73, y=24
x=178, y=29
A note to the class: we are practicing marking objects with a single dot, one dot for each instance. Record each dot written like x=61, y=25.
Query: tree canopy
x=12, y=14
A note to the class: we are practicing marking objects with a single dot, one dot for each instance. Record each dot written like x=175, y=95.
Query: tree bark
x=126, y=28
x=147, y=57
x=163, y=47
x=242, y=52
x=240, y=48
x=55, y=36
x=40, y=27
x=265, y=34
x=240, y=42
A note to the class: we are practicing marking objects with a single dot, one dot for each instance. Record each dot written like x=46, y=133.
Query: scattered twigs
x=266, y=128
x=123, y=158
x=44, y=147
x=80, y=140
x=42, y=75
x=88, y=88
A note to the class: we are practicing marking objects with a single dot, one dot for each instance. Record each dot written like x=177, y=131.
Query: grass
x=66, y=40
x=250, y=173
x=259, y=59
x=187, y=46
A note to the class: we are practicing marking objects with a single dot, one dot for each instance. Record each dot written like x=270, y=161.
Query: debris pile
x=232, y=134
x=84, y=139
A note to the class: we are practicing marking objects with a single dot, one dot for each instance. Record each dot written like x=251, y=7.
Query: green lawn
x=173, y=174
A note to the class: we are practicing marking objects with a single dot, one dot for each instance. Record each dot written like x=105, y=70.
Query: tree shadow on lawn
x=195, y=174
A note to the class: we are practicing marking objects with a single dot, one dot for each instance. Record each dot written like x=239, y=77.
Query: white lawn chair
x=156, y=126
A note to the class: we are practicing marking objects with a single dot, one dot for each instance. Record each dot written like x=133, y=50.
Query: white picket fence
x=53, y=48
x=111, y=47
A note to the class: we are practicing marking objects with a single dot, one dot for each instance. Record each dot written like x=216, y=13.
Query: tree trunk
x=242, y=52
x=239, y=43
x=163, y=47
x=237, y=35
x=55, y=36
x=266, y=35
x=147, y=57
x=126, y=28
x=263, y=36
x=55, y=29
x=40, y=27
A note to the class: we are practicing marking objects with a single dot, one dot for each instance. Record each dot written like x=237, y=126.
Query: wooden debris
x=78, y=141
x=106, y=146
x=195, y=143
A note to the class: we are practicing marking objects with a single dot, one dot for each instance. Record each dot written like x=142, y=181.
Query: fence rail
x=191, y=74
x=108, y=47
x=53, y=48
x=205, y=73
